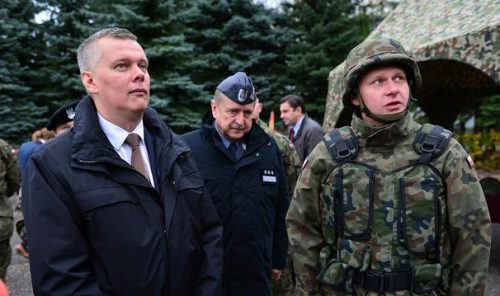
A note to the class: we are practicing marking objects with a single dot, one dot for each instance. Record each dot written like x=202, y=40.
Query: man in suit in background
x=304, y=132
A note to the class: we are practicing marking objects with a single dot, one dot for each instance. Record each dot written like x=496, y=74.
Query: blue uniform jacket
x=97, y=227
x=251, y=197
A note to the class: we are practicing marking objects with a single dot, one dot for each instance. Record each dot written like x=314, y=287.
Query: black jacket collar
x=91, y=144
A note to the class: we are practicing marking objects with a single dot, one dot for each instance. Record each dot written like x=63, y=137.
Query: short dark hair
x=294, y=101
x=86, y=54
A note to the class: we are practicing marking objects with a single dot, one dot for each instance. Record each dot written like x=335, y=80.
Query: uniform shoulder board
x=430, y=141
x=342, y=144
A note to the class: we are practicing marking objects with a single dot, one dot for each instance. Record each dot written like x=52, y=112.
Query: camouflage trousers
x=6, y=230
x=285, y=286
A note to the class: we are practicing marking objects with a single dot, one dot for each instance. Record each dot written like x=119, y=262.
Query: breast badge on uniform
x=269, y=176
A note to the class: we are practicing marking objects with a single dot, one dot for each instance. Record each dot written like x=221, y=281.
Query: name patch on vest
x=269, y=176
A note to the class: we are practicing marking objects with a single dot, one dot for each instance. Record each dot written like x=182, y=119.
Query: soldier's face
x=232, y=120
x=384, y=91
x=288, y=114
x=60, y=129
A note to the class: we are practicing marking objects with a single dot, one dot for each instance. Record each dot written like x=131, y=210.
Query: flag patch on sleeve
x=470, y=161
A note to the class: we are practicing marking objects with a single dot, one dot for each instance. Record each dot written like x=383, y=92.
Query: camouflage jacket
x=381, y=212
x=9, y=178
x=290, y=157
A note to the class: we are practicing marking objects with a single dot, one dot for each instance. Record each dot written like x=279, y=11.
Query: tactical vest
x=384, y=228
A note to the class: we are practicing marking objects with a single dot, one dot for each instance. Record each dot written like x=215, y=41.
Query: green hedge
x=483, y=147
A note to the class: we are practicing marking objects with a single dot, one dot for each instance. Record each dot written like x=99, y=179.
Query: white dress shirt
x=117, y=136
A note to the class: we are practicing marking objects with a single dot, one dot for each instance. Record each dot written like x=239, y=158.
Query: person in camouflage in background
x=388, y=206
x=9, y=184
x=291, y=165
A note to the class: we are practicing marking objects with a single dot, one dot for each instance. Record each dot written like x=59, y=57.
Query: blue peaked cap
x=238, y=88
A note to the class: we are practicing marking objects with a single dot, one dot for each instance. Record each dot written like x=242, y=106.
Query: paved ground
x=19, y=282
x=18, y=274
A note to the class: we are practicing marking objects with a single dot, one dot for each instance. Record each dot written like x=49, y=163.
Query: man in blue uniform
x=242, y=169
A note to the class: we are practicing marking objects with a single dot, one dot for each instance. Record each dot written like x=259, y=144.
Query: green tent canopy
x=457, y=46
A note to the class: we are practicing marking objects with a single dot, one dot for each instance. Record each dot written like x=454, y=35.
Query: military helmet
x=372, y=53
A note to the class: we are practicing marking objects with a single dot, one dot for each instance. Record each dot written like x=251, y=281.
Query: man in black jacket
x=97, y=223
x=242, y=169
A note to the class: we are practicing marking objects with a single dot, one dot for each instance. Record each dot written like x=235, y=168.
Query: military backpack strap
x=430, y=141
x=342, y=144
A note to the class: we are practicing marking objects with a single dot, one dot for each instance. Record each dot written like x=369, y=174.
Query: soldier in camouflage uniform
x=291, y=165
x=9, y=183
x=379, y=211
